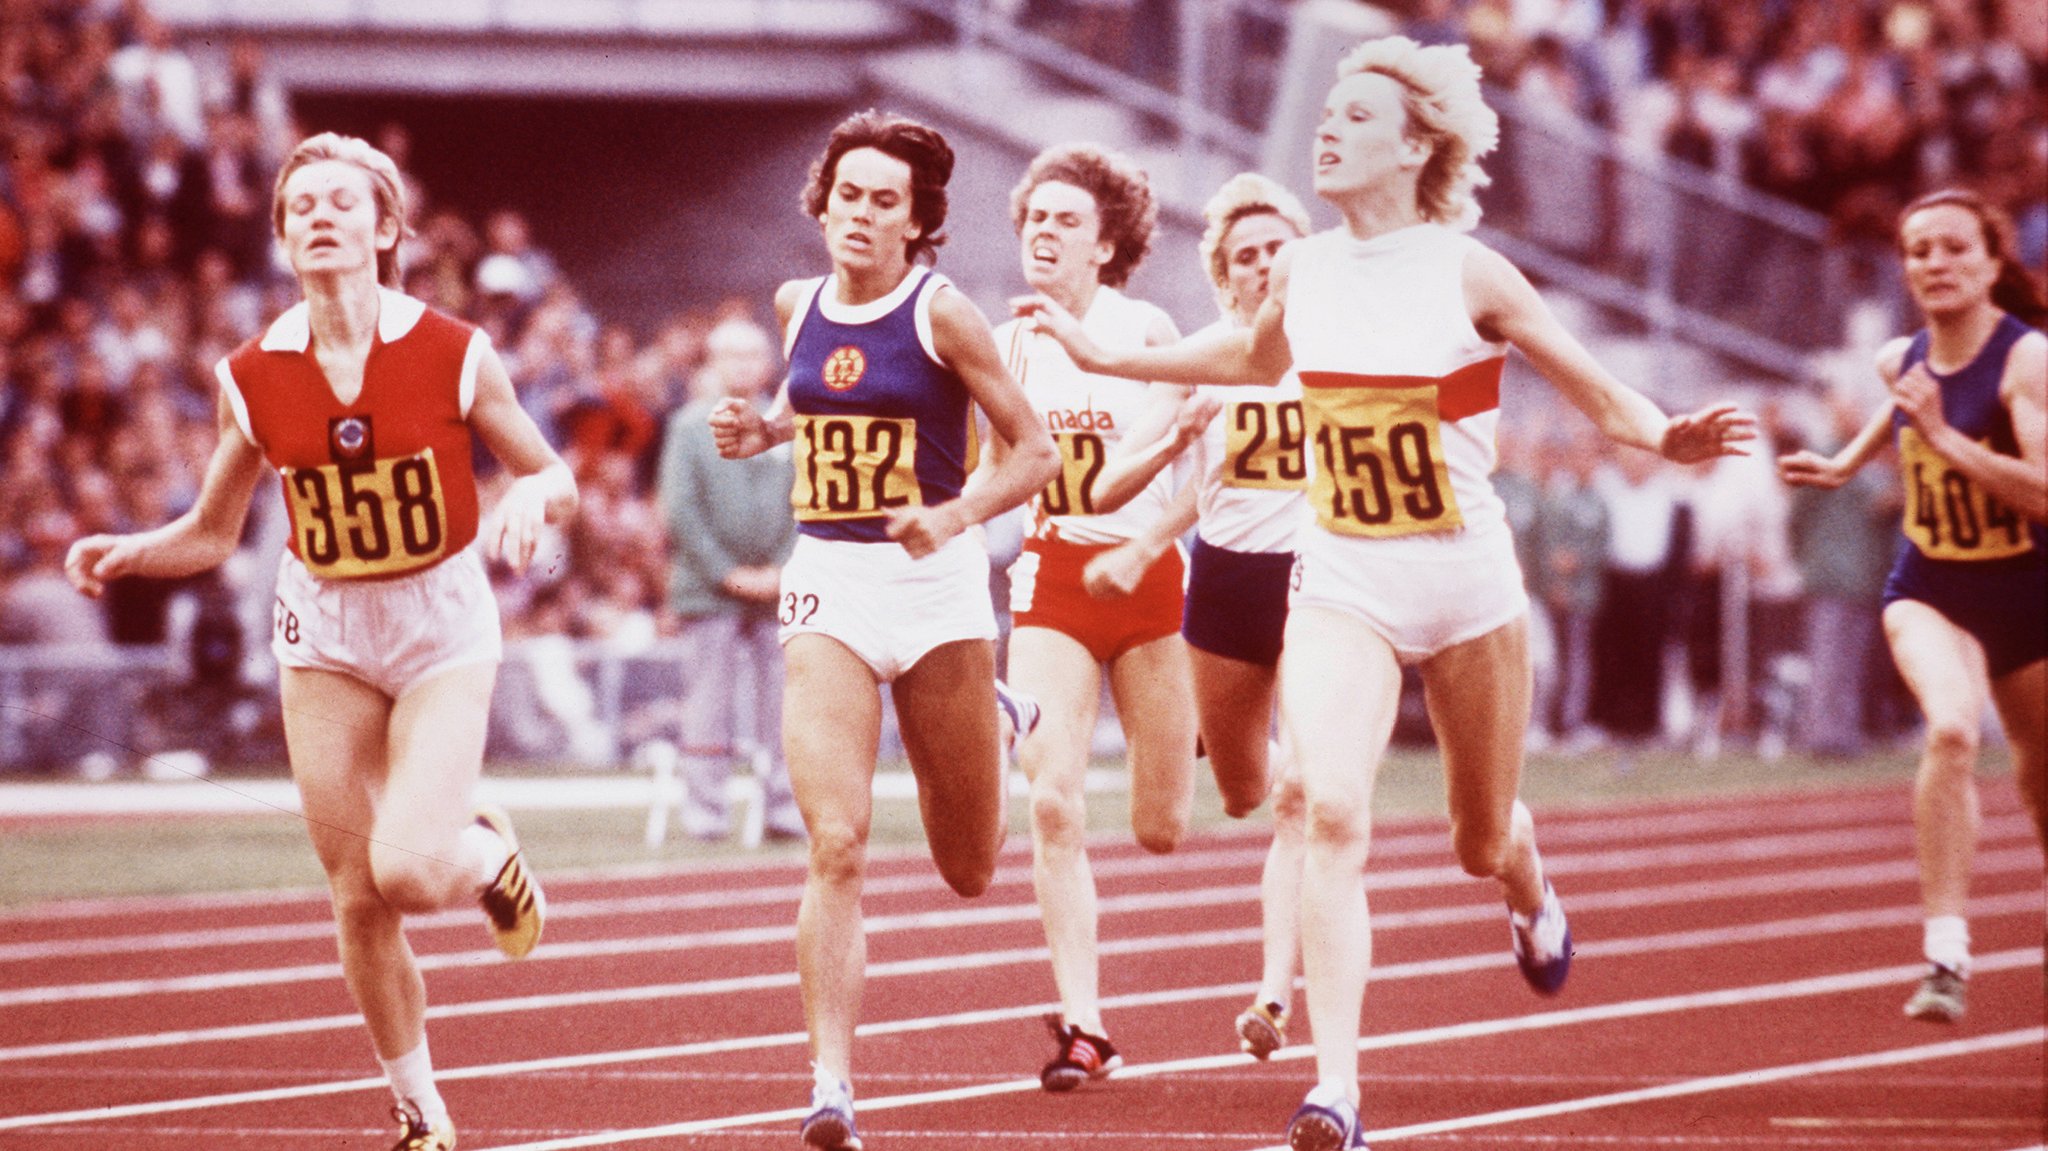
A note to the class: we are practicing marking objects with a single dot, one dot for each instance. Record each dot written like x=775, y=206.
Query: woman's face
x=867, y=218
x=1248, y=251
x=1949, y=267
x=331, y=222
x=1361, y=139
x=1062, y=244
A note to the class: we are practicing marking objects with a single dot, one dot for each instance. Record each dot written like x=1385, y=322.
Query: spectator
x=1639, y=578
x=1571, y=546
x=729, y=529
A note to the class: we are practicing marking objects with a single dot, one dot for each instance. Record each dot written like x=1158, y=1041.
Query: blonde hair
x=387, y=188
x=1446, y=111
x=1245, y=194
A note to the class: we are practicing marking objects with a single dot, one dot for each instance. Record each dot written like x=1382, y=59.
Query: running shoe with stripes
x=829, y=1126
x=416, y=1134
x=1262, y=1029
x=1325, y=1121
x=1081, y=1057
x=514, y=902
x=1022, y=710
x=1543, y=945
x=1942, y=996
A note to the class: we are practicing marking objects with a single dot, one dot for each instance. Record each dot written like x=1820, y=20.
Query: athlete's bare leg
x=1234, y=699
x=438, y=728
x=1280, y=885
x=1340, y=687
x=1067, y=682
x=946, y=711
x=1155, y=704
x=1944, y=667
x=2022, y=698
x=1478, y=694
x=830, y=728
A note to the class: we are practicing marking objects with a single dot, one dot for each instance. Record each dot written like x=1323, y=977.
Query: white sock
x=491, y=850
x=1946, y=940
x=1330, y=1095
x=412, y=1080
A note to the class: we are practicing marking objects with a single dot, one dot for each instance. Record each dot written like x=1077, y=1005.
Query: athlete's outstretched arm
x=1504, y=305
x=2019, y=482
x=1813, y=470
x=1175, y=420
x=199, y=540
x=1254, y=355
x=543, y=490
x=1027, y=459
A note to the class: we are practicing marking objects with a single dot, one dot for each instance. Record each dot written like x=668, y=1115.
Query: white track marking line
x=977, y=915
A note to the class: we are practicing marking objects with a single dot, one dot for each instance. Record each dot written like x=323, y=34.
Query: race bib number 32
x=1947, y=516
x=854, y=467
x=1380, y=467
x=368, y=518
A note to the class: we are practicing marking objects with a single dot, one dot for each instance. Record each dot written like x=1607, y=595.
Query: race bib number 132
x=1380, y=467
x=854, y=467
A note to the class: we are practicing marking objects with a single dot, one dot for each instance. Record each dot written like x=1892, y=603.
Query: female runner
x=386, y=634
x=1398, y=324
x=1966, y=605
x=886, y=585
x=1084, y=219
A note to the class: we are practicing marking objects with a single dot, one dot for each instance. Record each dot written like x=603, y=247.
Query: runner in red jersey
x=363, y=401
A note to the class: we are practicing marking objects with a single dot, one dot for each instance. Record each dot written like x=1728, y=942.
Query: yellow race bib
x=1264, y=445
x=1947, y=516
x=854, y=467
x=369, y=518
x=1072, y=492
x=1380, y=462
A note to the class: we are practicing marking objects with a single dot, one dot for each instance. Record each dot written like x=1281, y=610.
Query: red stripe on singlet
x=1470, y=390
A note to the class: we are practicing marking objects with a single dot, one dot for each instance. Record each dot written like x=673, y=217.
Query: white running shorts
x=389, y=633
x=887, y=608
x=1423, y=593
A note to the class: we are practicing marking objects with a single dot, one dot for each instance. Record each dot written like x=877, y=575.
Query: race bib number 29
x=854, y=467
x=1264, y=442
x=1380, y=467
x=368, y=518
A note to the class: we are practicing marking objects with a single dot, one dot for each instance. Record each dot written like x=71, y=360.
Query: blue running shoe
x=829, y=1126
x=1022, y=710
x=1325, y=1121
x=1543, y=945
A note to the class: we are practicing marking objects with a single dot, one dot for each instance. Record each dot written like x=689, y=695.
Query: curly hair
x=2016, y=289
x=1245, y=194
x=1446, y=111
x=1123, y=199
x=387, y=189
x=918, y=145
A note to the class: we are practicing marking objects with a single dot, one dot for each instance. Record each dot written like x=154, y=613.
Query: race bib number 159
x=1380, y=467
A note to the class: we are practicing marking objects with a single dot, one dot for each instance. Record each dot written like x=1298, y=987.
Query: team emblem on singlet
x=1380, y=467
x=1264, y=445
x=854, y=467
x=844, y=368
x=365, y=517
x=1948, y=517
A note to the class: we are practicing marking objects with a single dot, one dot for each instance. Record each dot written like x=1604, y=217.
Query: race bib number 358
x=1380, y=467
x=1947, y=516
x=854, y=467
x=368, y=518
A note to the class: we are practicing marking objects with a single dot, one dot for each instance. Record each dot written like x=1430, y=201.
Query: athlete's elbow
x=1042, y=461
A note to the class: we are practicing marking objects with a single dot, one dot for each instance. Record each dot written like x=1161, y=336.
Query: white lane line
x=1727, y=997
x=979, y=914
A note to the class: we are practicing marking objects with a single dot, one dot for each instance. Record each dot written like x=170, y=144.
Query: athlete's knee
x=1159, y=833
x=359, y=907
x=1290, y=808
x=415, y=882
x=1482, y=847
x=1244, y=786
x=1952, y=743
x=968, y=873
x=1059, y=815
x=838, y=853
x=1336, y=820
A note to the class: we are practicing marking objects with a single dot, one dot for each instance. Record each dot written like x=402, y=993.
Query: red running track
x=1741, y=965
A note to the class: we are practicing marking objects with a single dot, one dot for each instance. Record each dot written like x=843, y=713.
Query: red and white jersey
x=1088, y=416
x=1252, y=463
x=381, y=486
x=1400, y=392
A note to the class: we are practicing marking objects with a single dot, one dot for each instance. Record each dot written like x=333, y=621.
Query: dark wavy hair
x=2016, y=290
x=920, y=146
x=1123, y=198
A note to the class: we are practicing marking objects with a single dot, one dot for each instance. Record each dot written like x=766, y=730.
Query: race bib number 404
x=854, y=467
x=1947, y=516
x=368, y=518
x=1380, y=467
